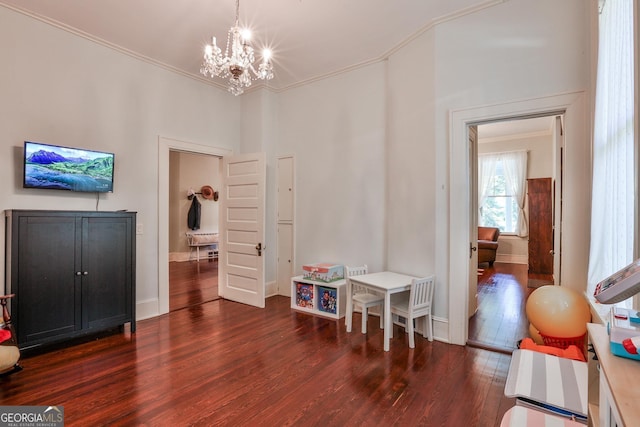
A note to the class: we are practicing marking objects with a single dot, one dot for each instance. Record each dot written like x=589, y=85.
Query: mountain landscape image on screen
x=48, y=166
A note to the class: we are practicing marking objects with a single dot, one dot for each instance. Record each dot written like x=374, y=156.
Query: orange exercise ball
x=558, y=311
x=535, y=335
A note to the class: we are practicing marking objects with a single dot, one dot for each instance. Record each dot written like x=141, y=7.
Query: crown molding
x=260, y=85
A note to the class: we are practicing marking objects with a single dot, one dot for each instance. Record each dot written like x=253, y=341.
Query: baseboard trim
x=147, y=309
x=483, y=346
x=512, y=259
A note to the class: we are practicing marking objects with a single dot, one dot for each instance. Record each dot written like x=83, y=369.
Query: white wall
x=336, y=130
x=414, y=245
x=513, y=51
x=62, y=89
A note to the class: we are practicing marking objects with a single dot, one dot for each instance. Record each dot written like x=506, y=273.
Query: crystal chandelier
x=239, y=65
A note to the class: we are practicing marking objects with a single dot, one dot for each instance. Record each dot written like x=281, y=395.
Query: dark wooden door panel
x=47, y=279
x=540, y=225
x=106, y=288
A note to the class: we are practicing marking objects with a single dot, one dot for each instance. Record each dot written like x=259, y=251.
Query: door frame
x=165, y=146
x=460, y=192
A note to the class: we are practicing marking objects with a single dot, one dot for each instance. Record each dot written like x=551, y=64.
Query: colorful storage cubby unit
x=322, y=299
x=327, y=299
x=304, y=295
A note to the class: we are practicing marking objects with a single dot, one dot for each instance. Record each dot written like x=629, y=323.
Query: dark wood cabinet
x=72, y=272
x=540, y=193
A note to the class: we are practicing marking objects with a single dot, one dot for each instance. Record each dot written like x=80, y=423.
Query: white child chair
x=413, y=304
x=364, y=297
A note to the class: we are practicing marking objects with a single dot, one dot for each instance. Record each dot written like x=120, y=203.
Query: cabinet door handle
x=78, y=273
x=85, y=273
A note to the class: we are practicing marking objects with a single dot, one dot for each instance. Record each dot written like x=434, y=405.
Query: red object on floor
x=571, y=352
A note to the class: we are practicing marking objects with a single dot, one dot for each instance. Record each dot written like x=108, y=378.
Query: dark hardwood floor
x=221, y=363
x=501, y=321
x=192, y=283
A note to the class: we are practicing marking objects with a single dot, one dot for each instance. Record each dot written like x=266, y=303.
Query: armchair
x=487, y=244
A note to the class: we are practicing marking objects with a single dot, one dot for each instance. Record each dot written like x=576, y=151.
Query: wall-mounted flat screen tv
x=66, y=168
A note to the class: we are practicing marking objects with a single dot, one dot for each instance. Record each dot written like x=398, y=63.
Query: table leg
x=387, y=320
x=349, y=315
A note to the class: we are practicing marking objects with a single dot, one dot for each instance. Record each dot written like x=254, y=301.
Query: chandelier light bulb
x=237, y=62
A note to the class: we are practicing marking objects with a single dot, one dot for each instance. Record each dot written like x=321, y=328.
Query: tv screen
x=66, y=168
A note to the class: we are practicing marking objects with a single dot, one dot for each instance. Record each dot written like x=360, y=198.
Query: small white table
x=384, y=281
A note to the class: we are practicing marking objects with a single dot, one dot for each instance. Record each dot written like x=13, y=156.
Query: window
x=501, y=183
x=500, y=207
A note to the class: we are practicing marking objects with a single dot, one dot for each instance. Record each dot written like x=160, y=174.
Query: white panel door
x=285, y=258
x=242, y=219
x=557, y=200
x=473, y=220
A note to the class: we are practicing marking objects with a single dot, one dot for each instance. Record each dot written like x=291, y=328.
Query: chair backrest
x=421, y=294
x=488, y=233
x=355, y=271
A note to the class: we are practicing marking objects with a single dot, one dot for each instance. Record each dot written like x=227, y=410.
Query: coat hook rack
x=191, y=194
x=206, y=191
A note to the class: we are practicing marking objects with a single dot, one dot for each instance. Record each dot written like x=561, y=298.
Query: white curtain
x=514, y=166
x=612, y=210
x=486, y=171
x=515, y=173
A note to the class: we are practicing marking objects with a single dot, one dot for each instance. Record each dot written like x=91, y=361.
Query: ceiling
x=512, y=128
x=310, y=39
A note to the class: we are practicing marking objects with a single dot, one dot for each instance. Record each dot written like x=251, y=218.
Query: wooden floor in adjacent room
x=192, y=283
x=501, y=321
x=222, y=363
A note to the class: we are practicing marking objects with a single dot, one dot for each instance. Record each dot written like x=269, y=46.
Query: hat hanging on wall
x=207, y=192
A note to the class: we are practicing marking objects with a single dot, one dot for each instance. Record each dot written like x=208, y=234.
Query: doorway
x=501, y=288
x=154, y=307
x=193, y=271
x=576, y=201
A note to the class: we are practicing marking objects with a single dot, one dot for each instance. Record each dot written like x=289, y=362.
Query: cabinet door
x=107, y=271
x=285, y=189
x=47, y=284
x=284, y=270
